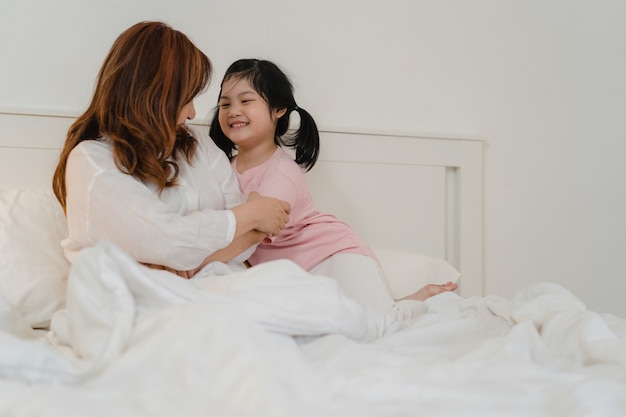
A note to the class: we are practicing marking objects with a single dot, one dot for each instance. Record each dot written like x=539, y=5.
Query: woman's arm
x=264, y=214
x=245, y=240
x=176, y=228
x=106, y=204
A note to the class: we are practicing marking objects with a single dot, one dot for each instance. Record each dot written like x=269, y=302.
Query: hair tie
x=295, y=108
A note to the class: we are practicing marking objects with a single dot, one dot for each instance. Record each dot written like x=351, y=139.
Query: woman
x=133, y=173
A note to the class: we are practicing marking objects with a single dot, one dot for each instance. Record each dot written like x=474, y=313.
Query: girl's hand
x=182, y=274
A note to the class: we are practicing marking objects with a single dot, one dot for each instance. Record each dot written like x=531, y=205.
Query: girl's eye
x=224, y=105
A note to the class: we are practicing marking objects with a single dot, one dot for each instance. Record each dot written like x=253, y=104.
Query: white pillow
x=407, y=272
x=33, y=268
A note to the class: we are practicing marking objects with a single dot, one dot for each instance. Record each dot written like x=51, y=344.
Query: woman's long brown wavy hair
x=150, y=73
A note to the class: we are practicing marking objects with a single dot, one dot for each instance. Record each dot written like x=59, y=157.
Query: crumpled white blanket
x=139, y=342
x=228, y=332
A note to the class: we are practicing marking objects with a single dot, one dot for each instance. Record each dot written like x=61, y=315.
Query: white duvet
x=276, y=341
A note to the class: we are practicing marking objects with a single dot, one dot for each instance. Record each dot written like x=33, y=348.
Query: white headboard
x=400, y=191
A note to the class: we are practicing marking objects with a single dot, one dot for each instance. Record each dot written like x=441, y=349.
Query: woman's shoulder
x=91, y=157
x=94, y=145
x=95, y=149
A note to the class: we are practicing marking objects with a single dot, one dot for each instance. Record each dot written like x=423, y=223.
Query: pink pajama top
x=310, y=236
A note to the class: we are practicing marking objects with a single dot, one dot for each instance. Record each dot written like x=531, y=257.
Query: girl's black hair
x=271, y=83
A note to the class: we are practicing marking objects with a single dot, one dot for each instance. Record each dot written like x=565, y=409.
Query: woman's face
x=188, y=112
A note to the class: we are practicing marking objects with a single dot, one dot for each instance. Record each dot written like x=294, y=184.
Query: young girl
x=132, y=172
x=255, y=101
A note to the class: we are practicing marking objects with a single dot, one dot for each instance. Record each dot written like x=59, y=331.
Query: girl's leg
x=361, y=278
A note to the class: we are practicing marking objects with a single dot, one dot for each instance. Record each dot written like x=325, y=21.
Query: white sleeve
x=225, y=175
x=221, y=169
x=105, y=204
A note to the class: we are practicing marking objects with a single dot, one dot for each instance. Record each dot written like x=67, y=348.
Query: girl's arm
x=235, y=248
x=239, y=245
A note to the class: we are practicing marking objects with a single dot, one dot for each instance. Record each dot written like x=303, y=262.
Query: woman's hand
x=273, y=213
x=265, y=214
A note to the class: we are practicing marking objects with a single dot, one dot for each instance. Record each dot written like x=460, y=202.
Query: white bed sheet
x=276, y=341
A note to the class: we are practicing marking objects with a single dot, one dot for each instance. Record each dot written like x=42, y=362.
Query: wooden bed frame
x=399, y=190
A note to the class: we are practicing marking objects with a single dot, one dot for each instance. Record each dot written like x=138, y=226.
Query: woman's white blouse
x=178, y=228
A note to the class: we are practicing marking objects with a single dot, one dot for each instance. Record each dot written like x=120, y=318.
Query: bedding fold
x=109, y=294
x=276, y=341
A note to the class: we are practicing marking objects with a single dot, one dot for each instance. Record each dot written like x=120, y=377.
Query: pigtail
x=306, y=140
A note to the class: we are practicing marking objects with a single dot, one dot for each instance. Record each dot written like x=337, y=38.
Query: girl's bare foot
x=429, y=290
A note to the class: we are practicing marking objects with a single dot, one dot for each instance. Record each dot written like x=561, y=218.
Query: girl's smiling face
x=244, y=116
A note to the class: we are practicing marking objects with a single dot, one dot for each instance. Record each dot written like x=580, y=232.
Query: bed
x=109, y=337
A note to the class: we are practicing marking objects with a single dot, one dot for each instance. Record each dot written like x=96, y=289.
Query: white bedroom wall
x=542, y=82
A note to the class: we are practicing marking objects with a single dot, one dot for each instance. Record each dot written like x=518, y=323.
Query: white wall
x=541, y=81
